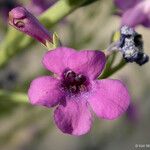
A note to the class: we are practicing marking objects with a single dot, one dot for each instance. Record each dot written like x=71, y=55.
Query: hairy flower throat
x=73, y=82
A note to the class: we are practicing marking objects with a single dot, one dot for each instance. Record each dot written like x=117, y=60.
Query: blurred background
x=26, y=127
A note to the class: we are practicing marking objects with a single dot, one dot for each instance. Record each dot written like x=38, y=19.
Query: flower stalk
x=16, y=97
x=109, y=71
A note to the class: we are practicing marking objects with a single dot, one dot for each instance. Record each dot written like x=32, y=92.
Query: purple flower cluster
x=134, y=12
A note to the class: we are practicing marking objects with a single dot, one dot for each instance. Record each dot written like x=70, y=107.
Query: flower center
x=74, y=83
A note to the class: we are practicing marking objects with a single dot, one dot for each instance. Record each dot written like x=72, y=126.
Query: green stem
x=110, y=71
x=13, y=96
x=15, y=41
x=57, y=12
x=110, y=61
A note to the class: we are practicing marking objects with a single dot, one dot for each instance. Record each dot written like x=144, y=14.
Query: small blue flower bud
x=131, y=46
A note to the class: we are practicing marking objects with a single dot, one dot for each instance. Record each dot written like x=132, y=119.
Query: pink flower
x=134, y=12
x=74, y=88
x=139, y=14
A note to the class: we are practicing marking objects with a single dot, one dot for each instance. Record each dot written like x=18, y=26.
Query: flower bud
x=131, y=45
x=25, y=22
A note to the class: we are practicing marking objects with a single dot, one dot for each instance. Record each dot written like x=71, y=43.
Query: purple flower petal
x=140, y=14
x=25, y=22
x=130, y=18
x=73, y=117
x=57, y=59
x=87, y=62
x=126, y=4
x=109, y=98
x=45, y=91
